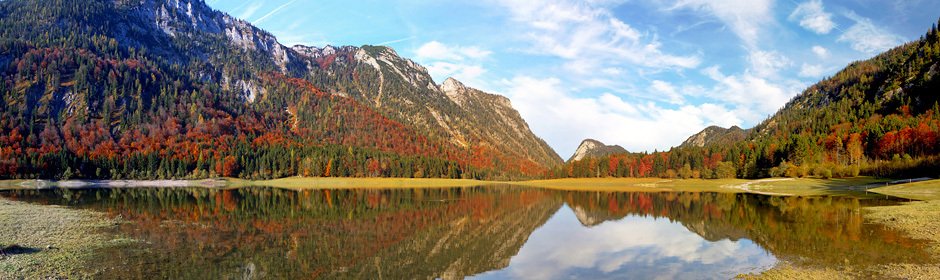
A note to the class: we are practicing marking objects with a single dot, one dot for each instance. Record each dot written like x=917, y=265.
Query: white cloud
x=753, y=97
x=821, y=52
x=813, y=17
x=627, y=248
x=467, y=73
x=589, y=37
x=744, y=17
x=612, y=71
x=767, y=63
x=865, y=37
x=811, y=70
x=667, y=89
x=435, y=50
x=460, y=62
x=564, y=119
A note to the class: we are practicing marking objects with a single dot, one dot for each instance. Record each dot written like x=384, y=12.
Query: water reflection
x=633, y=248
x=487, y=232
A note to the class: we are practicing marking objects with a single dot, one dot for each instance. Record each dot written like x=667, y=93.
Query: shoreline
x=769, y=186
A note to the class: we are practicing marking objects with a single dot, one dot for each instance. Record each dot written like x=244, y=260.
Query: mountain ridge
x=715, y=135
x=224, y=68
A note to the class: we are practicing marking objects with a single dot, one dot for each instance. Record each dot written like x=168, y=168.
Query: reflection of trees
x=447, y=233
x=204, y=233
x=817, y=230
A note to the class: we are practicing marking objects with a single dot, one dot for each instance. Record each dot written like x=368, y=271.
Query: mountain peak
x=455, y=91
x=452, y=85
x=594, y=148
x=715, y=134
x=378, y=51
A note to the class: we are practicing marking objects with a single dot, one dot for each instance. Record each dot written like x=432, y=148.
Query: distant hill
x=174, y=89
x=592, y=148
x=876, y=117
x=715, y=135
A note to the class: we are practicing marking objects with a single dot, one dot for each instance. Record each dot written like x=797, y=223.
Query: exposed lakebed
x=486, y=232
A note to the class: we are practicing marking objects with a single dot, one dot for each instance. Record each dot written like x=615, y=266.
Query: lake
x=488, y=232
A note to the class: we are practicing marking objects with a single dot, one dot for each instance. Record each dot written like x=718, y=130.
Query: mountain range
x=173, y=88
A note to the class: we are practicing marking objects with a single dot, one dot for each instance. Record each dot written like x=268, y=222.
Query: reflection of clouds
x=632, y=247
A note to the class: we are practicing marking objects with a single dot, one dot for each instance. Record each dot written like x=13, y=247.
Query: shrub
x=725, y=170
x=793, y=171
x=822, y=171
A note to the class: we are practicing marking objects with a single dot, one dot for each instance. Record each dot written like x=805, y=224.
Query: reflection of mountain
x=468, y=245
x=589, y=218
x=823, y=230
x=715, y=232
x=273, y=233
x=593, y=216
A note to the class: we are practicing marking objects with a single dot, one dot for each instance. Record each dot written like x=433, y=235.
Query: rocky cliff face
x=503, y=127
x=714, y=135
x=593, y=148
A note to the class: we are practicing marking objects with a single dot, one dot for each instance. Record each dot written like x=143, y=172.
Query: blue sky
x=643, y=74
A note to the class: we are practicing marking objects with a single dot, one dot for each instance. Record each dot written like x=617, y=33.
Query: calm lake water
x=493, y=232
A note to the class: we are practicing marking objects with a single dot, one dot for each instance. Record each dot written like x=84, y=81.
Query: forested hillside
x=173, y=89
x=876, y=117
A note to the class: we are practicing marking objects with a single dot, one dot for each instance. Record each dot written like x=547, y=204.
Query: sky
x=643, y=74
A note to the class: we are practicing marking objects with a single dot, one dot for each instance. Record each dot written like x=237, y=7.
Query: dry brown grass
x=53, y=242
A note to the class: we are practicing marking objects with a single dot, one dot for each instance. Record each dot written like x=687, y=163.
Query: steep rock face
x=593, y=148
x=506, y=129
x=403, y=90
x=715, y=135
